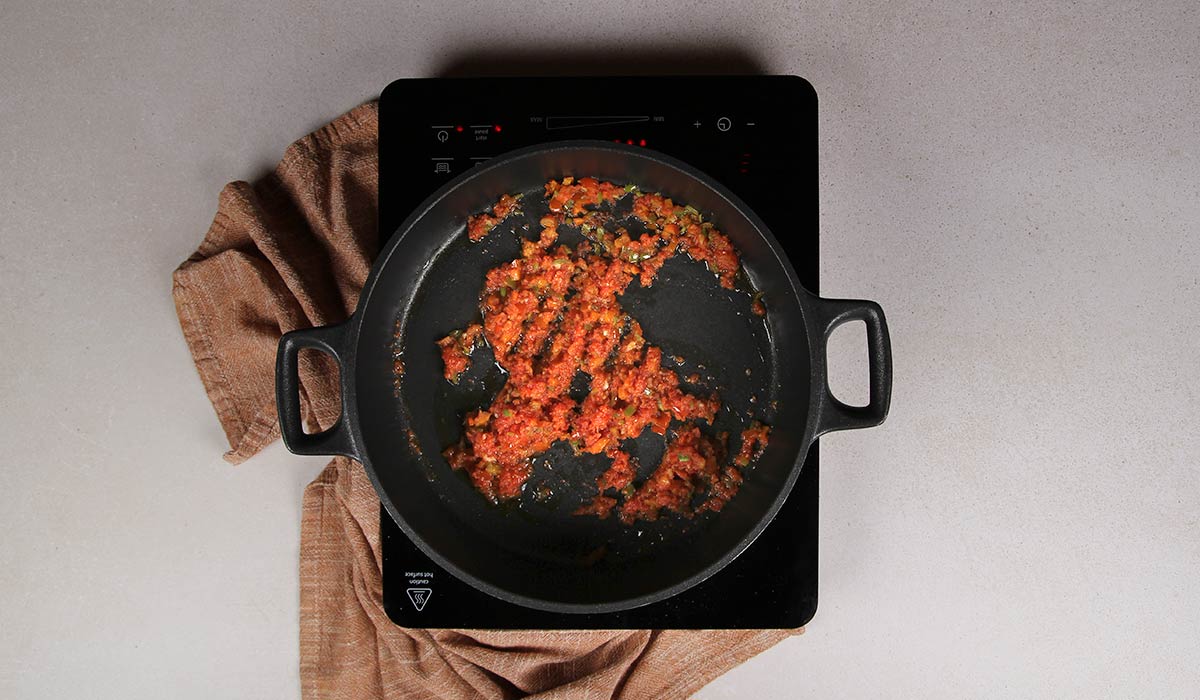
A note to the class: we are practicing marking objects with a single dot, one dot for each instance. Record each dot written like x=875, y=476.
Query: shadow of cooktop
x=622, y=61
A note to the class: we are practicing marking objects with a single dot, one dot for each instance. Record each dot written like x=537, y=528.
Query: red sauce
x=456, y=350
x=690, y=461
x=754, y=441
x=481, y=225
x=553, y=313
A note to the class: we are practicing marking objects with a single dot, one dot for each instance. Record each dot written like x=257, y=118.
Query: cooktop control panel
x=755, y=134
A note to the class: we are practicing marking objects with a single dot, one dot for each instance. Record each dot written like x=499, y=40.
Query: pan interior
x=534, y=545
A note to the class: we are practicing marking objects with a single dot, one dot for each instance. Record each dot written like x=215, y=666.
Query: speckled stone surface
x=1018, y=186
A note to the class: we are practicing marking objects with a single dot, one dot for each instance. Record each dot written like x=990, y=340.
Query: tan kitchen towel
x=292, y=251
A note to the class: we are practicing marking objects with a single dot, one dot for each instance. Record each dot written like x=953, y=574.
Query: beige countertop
x=1018, y=186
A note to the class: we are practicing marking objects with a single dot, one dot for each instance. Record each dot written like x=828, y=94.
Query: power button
x=723, y=124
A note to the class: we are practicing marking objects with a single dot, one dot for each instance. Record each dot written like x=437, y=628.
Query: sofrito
x=552, y=314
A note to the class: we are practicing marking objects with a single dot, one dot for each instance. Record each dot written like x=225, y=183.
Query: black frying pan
x=533, y=551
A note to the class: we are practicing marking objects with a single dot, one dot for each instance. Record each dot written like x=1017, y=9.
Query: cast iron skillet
x=534, y=551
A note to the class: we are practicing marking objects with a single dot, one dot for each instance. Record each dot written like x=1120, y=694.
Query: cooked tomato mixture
x=481, y=224
x=456, y=350
x=552, y=314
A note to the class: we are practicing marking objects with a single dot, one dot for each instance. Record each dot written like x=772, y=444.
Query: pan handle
x=337, y=440
x=831, y=413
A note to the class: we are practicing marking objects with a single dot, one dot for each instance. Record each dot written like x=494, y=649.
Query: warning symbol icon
x=419, y=597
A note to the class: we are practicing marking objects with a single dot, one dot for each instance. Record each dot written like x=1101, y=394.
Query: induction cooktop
x=755, y=134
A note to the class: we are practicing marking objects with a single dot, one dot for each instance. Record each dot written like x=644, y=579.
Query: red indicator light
x=629, y=141
x=642, y=142
x=458, y=128
x=497, y=128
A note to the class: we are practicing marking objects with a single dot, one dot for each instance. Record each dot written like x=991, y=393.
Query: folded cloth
x=292, y=251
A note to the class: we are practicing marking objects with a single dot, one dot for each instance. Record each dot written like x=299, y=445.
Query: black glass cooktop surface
x=755, y=134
